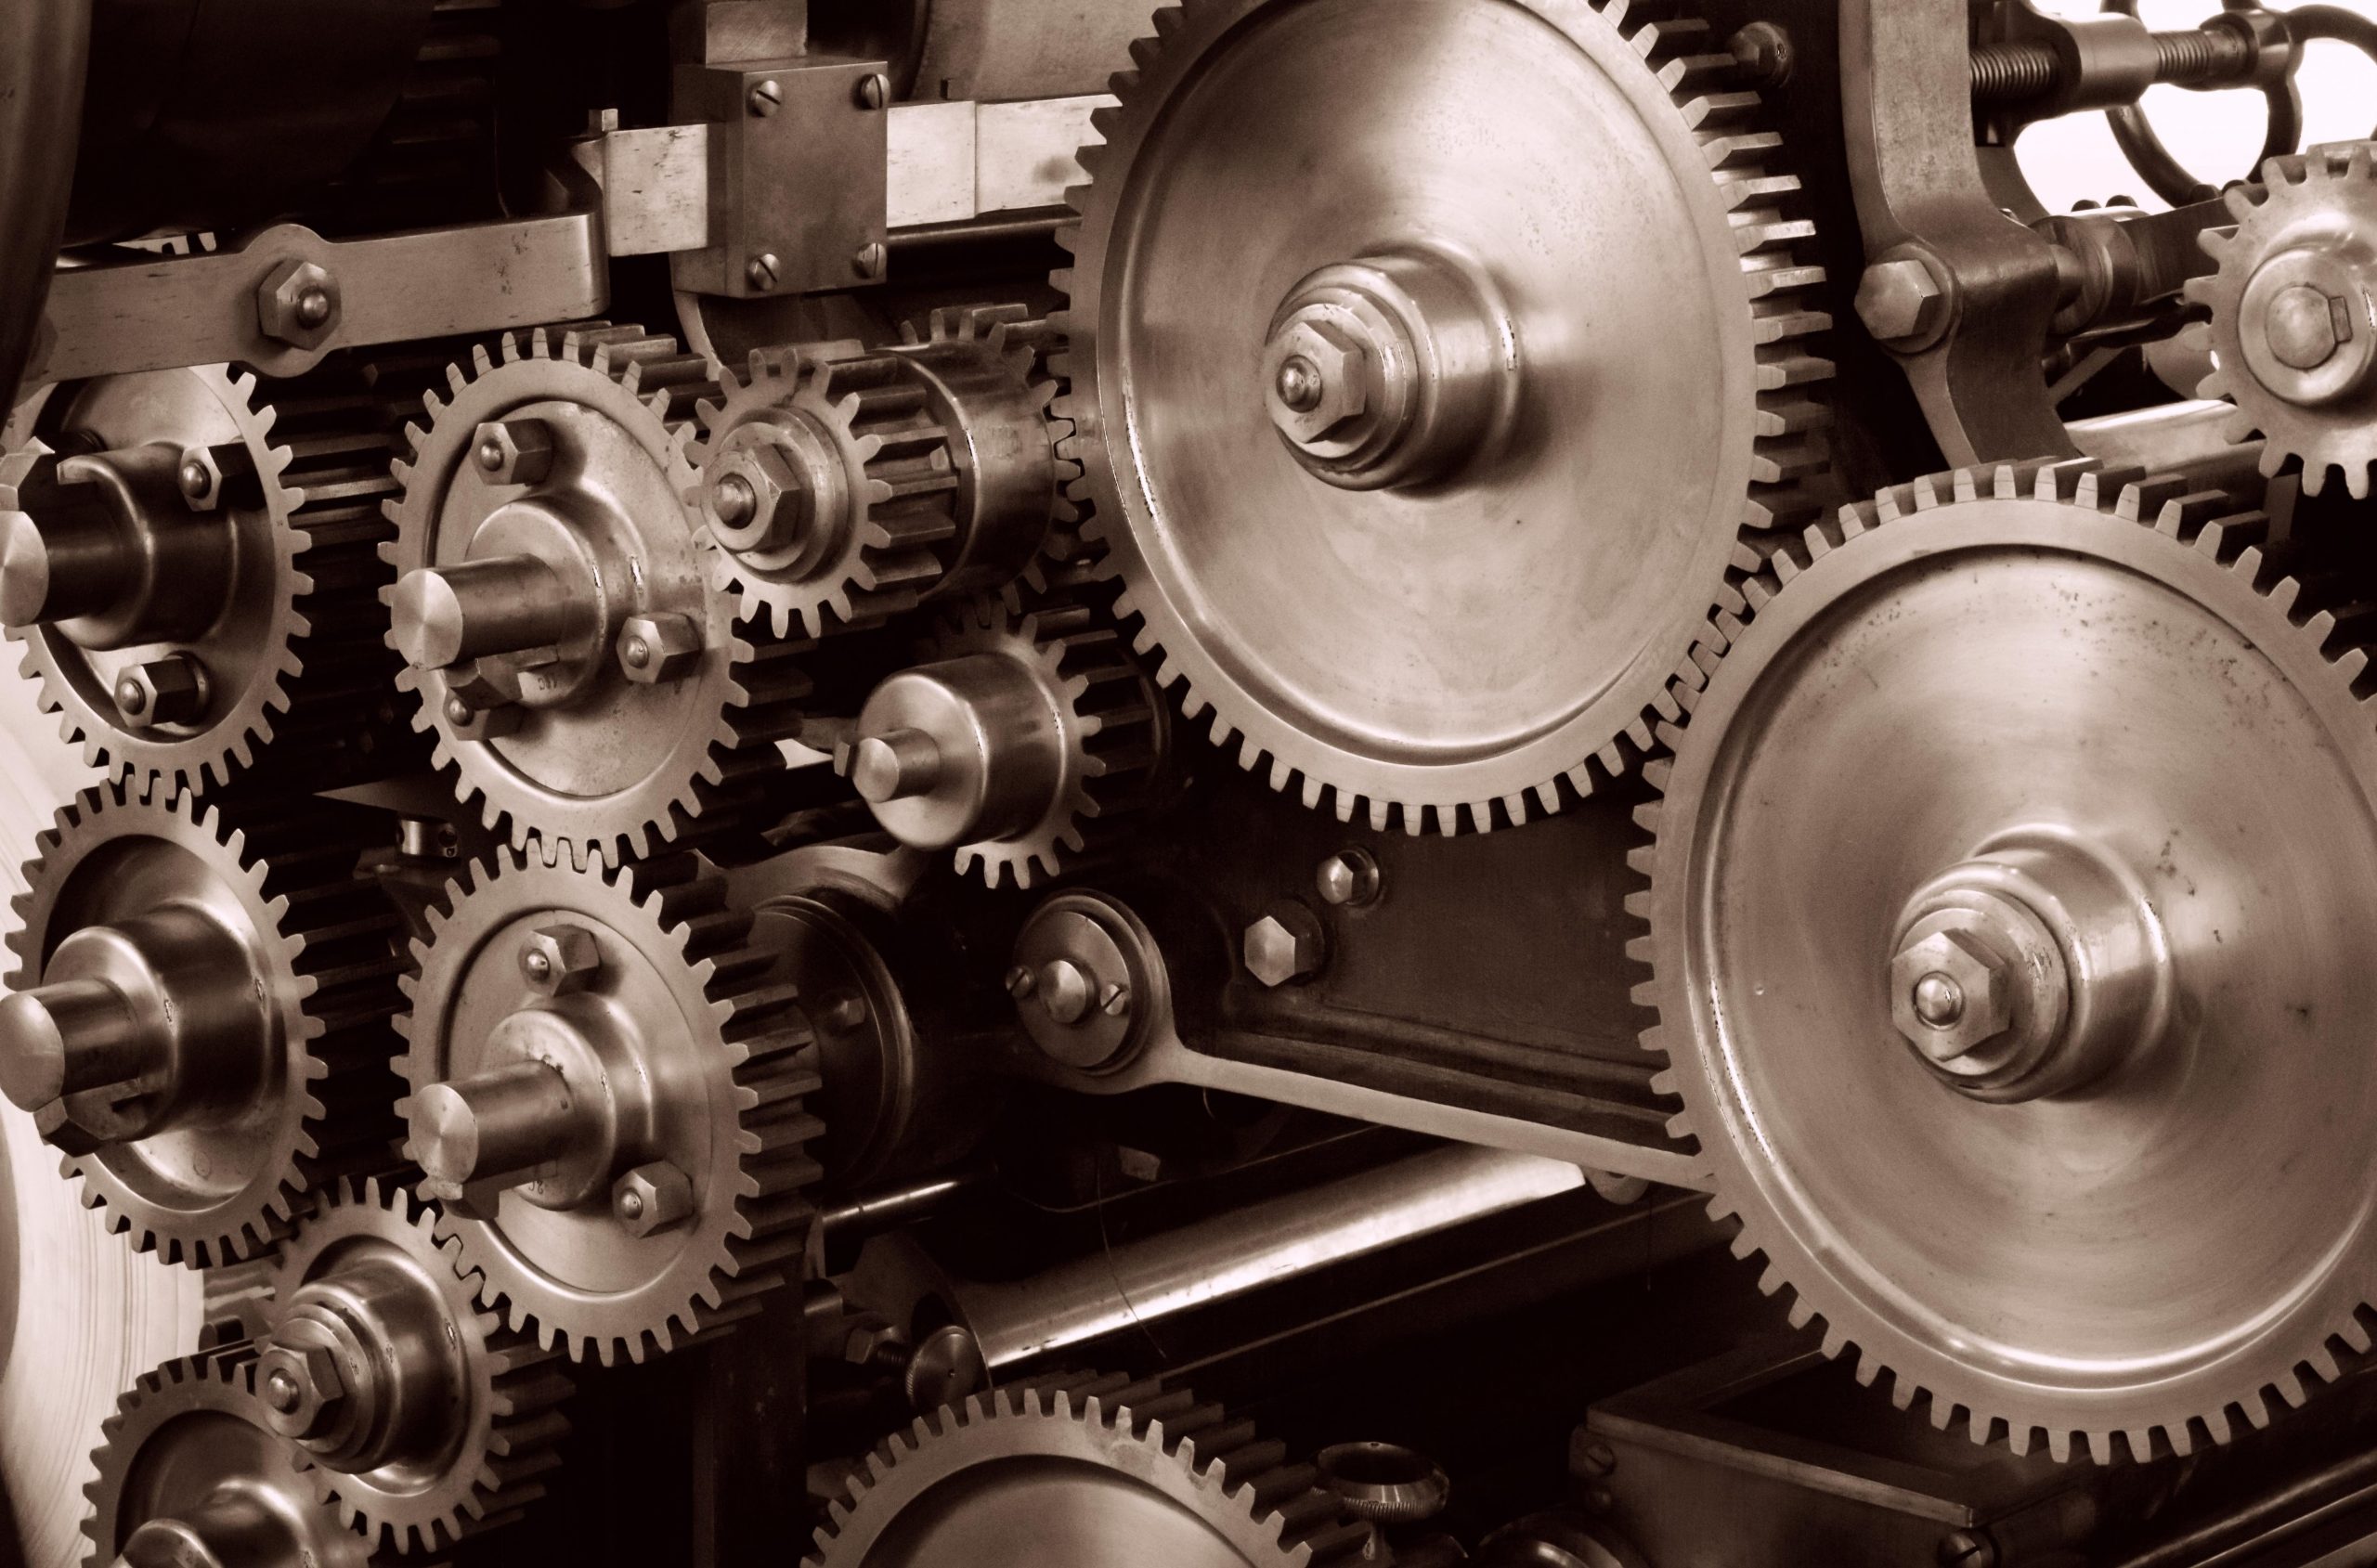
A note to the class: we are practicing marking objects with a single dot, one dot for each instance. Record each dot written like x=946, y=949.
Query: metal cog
x=280, y=874
x=2307, y=228
x=1324, y=626
x=664, y=759
x=295, y=664
x=1971, y=678
x=192, y=1426
x=1204, y=1492
x=740, y=1142
x=890, y=542
x=1106, y=715
x=490, y=1465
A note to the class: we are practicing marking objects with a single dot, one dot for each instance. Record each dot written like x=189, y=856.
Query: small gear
x=2011, y=895
x=1424, y=492
x=608, y=1091
x=844, y=486
x=200, y=1017
x=553, y=608
x=435, y=1422
x=186, y=1462
x=1018, y=737
x=1084, y=1473
x=2293, y=328
x=192, y=572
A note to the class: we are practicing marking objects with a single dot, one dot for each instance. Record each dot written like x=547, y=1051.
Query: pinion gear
x=272, y=883
x=674, y=994
x=488, y=1441
x=1147, y=1474
x=568, y=741
x=292, y=661
x=2051, y=1173
x=1464, y=643
x=2296, y=273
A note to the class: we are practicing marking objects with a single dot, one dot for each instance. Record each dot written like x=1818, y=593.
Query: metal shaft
x=65, y=1039
x=508, y=605
x=68, y=563
x=501, y=1124
x=2017, y=72
x=232, y=1529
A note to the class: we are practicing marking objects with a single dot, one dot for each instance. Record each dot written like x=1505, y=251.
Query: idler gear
x=200, y=1017
x=192, y=568
x=553, y=609
x=425, y=1418
x=607, y=1093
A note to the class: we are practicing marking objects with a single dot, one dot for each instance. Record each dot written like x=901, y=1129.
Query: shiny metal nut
x=653, y=648
x=167, y=690
x=2305, y=326
x=1348, y=879
x=651, y=1198
x=299, y=1383
x=205, y=472
x=513, y=451
x=754, y=499
x=1339, y=366
x=1286, y=944
x=1949, y=992
x=558, y=960
x=298, y=304
x=1900, y=301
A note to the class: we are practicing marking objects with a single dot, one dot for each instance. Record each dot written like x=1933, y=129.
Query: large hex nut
x=516, y=451
x=1336, y=356
x=651, y=1198
x=1900, y=301
x=297, y=304
x=301, y=1383
x=659, y=647
x=557, y=960
x=167, y=690
x=1286, y=944
x=1979, y=976
x=779, y=502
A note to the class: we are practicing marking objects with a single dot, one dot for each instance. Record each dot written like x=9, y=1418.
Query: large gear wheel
x=553, y=606
x=2293, y=305
x=1084, y=1473
x=1434, y=368
x=188, y=1469
x=1017, y=738
x=200, y=1015
x=437, y=1422
x=192, y=570
x=2014, y=894
x=607, y=1085
x=845, y=486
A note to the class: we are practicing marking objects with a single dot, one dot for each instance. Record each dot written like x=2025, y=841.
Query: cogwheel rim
x=334, y=960
x=515, y=1394
x=674, y=907
x=1192, y=1454
x=718, y=776
x=2298, y=186
x=1779, y=426
x=2223, y=558
x=304, y=690
x=897, y=472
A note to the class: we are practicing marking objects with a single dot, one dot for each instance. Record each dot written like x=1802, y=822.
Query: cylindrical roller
x=958, y=750
x=69, y=561
x=444, y=615
x=503, y=1123
x=64, y=1039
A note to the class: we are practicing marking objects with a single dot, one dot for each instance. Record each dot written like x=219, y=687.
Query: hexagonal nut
x=1900, y=301
x=167, y=690
x=466, y=720
x=561, y=959
x=204, y=474
x=1980, y=975
x=298, y=304
x=660, y=646
x=651, y=1198
x=1286, y=944
x=779, y=507
x=1336, y=356
x=518, y=451
x=315, y=1383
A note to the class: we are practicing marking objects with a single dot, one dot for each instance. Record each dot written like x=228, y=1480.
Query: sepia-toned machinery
x=967, y=784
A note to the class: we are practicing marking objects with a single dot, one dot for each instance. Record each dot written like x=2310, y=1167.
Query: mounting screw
x=1286, y=944
x=651, y=1198
x=761, y=271
x=873, y=90
x=1348, y=879
x=1968, y=1548
x=1591, y=1458
x=765, y=98
x=869, y=260
x=1766, y=53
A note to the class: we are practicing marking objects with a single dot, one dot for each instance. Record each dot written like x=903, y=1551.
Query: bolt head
x=298, y=304
x=201, y=480
x=513, y=451
x=167, y=690
x=1348, y=879
x=761, y=271
x=870, y=260
x=651, y=1198
x=1900, y=301
x=1285, y=945
x=765, y=98
x=1334, y=358
x=753, y=498
x=560, y=959
x=302, y=1384
x=1952, y=965
x=660, y=646
x=2305, y=326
